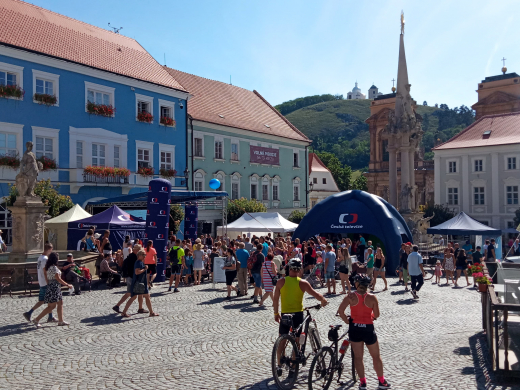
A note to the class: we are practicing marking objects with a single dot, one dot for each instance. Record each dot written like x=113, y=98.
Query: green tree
x=176, y=217
x=360, y=183
x=296, y=216
x=50, y=196
x=236, y=208
x=442, y=213
x=341, y=173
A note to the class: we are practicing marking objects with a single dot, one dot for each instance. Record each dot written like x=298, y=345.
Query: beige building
x=321, y=181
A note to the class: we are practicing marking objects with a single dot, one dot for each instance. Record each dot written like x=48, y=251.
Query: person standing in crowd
x=467, y=246
x=104, y=244
x=400, y=267
x=242, y=256
x=403, y=263
x=309, y=260
x=247, y=245
x=365, y=255
x=462, y=266
x=259, y=259
x=515, y=251
x=209, y=241
x=140, y=279
x=438, y=272
x=345, y=266
x=198, y=261
x=490, y=252
x=269, y=273
x=188, y=266
x=441, y=241
x=415, y=270
x=91, y=242
x=448, y=265
x=127, y=250
x=230, y=266
x=106, y=270
x=53, y=295
x=212, y=257
x=369, y=261
x=330, y=269
x=69, y=275
x=176, y=256
x=265, y=246
x=379, y=269
x=361, y=245
x=3, y=247
x=128, y=274
x=171, y=241
x=42, y=281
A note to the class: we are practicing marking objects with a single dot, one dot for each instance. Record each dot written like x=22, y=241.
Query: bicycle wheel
x=315, y=340
x=286, y=372
x=322, y=369
x=429, y=271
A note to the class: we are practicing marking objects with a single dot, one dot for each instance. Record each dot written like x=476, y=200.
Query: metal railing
x=89, y=178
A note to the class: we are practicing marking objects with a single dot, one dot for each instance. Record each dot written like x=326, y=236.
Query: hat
x=197, y=240
x=323, y=245
x=319, y=253
x=69, y=254
x=409, y=243
x=97, y=235
x=438, y=261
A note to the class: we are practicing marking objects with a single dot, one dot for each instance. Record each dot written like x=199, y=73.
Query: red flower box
x=145, y=117
x=7, y=91
x=43, y=98
x=145, y=171
x=48, y=164
x=167, y=121
x=167, y=173
x=12, y=162
x=106, y=171
x=100, y=109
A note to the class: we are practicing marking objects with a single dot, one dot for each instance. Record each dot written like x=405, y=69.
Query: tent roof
x=176, y=197
x=262, y=222
x=114, y=215
x=74, y=214
x=463, y=224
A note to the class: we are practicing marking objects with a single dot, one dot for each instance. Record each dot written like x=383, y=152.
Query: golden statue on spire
x=402, y=22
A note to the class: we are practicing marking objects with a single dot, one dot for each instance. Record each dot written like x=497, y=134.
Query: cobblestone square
x=201, y=341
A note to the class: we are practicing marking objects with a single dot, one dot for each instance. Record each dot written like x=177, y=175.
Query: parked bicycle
x=289, y=350
x=326, y=362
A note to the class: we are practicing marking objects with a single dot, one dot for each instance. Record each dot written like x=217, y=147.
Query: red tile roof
x=315, y=164
x=228, y=105
x=29, y=27
x=505, y=130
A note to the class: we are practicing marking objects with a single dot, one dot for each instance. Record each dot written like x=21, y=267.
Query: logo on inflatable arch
x=162, y=212
x=343, y=218
x=164, y=190
x=169, y=201
x=152, y=224
x=160, y=236
x=167, y=224
x=187, y=233
x=146, y=235
x=154, y=201
x=166, y=248
x=147, y=212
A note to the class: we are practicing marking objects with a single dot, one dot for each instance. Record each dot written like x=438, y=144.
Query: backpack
x=174, y=256
x=251, y=261
x=127, y=273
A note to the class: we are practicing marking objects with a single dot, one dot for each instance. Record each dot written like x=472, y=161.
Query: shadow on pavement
x=106, y=319
x=409, y=301
x=9, y=330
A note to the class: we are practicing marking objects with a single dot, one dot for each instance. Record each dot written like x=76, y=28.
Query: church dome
x=356, y=89
x=373, y=87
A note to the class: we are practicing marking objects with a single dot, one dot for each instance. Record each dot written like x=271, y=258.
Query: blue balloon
x=214, y=184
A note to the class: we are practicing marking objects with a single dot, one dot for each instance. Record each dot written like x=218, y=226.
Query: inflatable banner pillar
x=191, y=217
x=157, y=221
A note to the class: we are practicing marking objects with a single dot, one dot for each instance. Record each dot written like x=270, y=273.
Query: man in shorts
x=177, y=260
x=128, y=273
x=40, y=265
x=329, y=260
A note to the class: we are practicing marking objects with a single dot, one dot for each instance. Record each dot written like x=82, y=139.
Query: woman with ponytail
x=151, y=261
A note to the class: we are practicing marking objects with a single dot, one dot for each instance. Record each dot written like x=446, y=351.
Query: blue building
x=86, y=97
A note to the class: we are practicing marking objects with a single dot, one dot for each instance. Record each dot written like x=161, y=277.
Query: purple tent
x=119, y=222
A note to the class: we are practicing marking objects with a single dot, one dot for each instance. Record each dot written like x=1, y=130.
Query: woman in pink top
x=151, y=261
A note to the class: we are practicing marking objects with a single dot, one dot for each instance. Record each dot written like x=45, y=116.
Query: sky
x=287, y=49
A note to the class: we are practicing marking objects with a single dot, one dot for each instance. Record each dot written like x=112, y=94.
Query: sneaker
x=279, y=371
x=228, y=298
x=414, y=294
x=53, y=319
x=291, y=374
x=384, y=385
x=151, y=284
x=362, y=386
x=169, y=289
x=37, y=324
x=63, y=323
x=255, y=301
x=116, y=309
x=27, y=316
x=176, y=290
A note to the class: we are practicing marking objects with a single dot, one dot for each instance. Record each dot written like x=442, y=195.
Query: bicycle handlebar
x=317, y=307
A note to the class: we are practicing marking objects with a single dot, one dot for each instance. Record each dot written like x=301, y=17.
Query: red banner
x=262, y=155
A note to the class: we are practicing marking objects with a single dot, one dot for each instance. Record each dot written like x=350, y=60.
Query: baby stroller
x=315, y=276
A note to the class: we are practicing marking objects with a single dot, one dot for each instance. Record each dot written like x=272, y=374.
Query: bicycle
x=429, y=271
x=326, y=363
x=292, y=354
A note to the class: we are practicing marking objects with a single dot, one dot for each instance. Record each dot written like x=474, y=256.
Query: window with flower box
x=144, y=108
x=143, y=158
x=44, y=147
x=45, y=88
x=11, y=81
x=166, y=160
x=98, y=155
x=99, y=99
x=7, y=78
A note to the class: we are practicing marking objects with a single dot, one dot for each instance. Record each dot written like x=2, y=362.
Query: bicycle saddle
x=335, y=326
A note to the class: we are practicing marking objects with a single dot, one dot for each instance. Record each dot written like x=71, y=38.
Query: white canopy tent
x=259, y=224
x=56, y=228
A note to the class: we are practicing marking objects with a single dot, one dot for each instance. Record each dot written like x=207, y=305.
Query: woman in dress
x=139, y=278
x=268, y=272
x=53, y=295
x=379, y=269
x=345, y=265
x=449, y=265
x=198, y=261
x=230, y=266
x=462, y=266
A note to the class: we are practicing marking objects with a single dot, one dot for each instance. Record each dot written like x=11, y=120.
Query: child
x=319, y=266
x=189, y=266
x=438, y=272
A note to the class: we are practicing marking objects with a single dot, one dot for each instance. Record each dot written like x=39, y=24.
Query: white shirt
x=40, y=264
x=441, y=241
x=126, y=252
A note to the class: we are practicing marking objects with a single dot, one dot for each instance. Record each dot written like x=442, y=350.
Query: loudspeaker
x=206, y=227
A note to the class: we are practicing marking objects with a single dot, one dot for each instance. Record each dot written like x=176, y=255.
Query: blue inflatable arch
x=358, y=212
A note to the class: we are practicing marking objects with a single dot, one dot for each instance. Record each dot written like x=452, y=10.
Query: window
x=452, y=167
x=296, y=193
x=478, y=195
x=116, y=156
x=234, y=151
x=143, y=158
x=218, y=150
x=46, y=84
x=511, y=163
x=44, y=87
x=453, y=196
x=324, y=181
x=7, y=78
x=265, y=192
x=253, y=191
x=166, y=112
x=44, y=147
x=295, y=160
x=234, y=190
x=198, y=147
x=198, y=185
x=98, y=155
x=8, y=144
x=144, y=104
x=143, y=107
x=314, y=202
x=98, y=97
x=166, y=160
x=512, y=194
x=98, y=94
x=79, y=154
x=314, y=180
x=11, y=75
x=275, y=192
x=478, y=165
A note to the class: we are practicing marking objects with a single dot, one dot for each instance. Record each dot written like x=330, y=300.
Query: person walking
x=269, y=273
x=230, y=266
x=242, y=256
x=462, y=266
x=176, y=256
x=198, y=261
x=330, y=269
x=448, y=265
x=128, y=274
x=42, y=281
x=403, y=264
x=151, y=261
x=345, y=266
x=379, y=269
x=438, y=272
x=53, y=295
x=415, y=270
x=256, y=270
x=369, y=261
x=140, y=285
x=364, y=309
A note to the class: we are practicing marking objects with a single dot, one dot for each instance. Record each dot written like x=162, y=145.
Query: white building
x=321, y=181
x=357, y=94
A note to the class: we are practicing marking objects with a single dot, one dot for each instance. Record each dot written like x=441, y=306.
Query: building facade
x=321, y=182
x=237, y=137
x=85, y=94
x=357, y=94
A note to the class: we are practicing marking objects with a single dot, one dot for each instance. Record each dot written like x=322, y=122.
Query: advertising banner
x=157, y=221
x=191, y=218
x=262, y=155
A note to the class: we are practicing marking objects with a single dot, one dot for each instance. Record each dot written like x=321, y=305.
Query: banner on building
x=262, y=155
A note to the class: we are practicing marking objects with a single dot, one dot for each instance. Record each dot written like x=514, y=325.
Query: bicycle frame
x=306, y=324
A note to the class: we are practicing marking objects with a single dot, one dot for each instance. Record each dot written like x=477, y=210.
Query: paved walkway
x=201, y=341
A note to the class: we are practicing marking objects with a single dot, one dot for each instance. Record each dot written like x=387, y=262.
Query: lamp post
x=311, y=185
x=186, y=177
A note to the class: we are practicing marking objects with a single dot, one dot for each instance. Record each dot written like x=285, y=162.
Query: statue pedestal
x=412, y=219
x=28, y=215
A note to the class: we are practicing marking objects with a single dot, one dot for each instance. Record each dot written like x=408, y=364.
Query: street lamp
x=311, y=185
x=186, y=177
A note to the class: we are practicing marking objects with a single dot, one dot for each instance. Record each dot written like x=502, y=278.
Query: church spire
x=403, y=103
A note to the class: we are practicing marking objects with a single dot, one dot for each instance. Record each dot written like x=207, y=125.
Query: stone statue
x=422, y=226
x=29, y=168
x=404, y=201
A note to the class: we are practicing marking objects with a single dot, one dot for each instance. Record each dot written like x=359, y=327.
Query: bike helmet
x=363, y=280
x=295, y=264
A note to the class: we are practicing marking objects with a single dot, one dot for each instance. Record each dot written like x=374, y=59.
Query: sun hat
x=438, y=261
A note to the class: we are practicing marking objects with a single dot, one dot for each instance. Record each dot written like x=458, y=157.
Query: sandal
x=125, y=315
x=153, y=315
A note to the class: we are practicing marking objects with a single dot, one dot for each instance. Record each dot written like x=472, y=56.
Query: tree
x=236, y=208
x=296, y=216
x=176, y=216
x=360, y=183
x=516, y=219
x=50, y=196
x=442, y=213
x=341, y=173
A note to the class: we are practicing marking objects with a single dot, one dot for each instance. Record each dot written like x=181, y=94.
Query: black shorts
x=230, y=276
x=152, y=269
x=362, y=333
x=176, y=269
x=297, y=321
